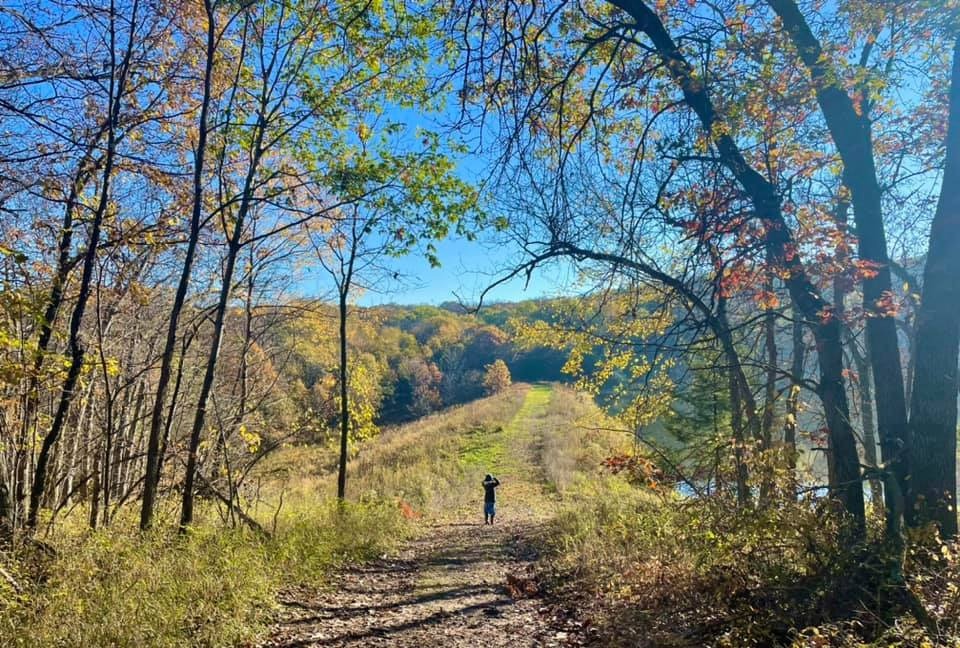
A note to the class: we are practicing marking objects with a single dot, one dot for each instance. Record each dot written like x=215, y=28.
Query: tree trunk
x=186, y=508
x=172, y=410
x=233, y=249
x=739, y=443
x=117, y=85
x=825, y=325
x=85, y=168
x=769, y=400
x=344, y=403
x=851, y=134
x=6, y=515
x=791, y=421
x=71, y=460
x=152, y=474
x=136, y=440
x=933, y=483
x=738, y=394
x=770, y=387
x=94, y=519
x=867, y=426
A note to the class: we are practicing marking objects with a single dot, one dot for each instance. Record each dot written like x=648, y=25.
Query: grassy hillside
x=538, y=440
x=216, y=586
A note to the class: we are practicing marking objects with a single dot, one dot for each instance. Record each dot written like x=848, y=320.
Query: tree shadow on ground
x=384, y=631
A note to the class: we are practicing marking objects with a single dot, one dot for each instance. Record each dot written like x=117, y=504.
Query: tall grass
x=577, y=437
x=216, y=586
x=213, y=587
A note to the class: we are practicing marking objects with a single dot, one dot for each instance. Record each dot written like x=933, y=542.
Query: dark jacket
x=489, y=489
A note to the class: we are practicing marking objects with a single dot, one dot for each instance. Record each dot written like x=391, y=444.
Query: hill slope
x=459, y=583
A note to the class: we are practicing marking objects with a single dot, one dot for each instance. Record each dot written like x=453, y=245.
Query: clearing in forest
x=459, y=583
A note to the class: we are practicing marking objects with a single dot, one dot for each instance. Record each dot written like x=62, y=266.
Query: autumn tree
x=849, y=103
x=728, y=182
x=120, y=52
x=153, y=459
x=367, y=233
x=497, y=377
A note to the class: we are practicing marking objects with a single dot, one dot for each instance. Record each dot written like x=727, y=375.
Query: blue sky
x=467, y=268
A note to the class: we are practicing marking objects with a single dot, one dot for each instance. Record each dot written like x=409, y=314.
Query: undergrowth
x=653, y=569
x=214, y=586
x=217, y=585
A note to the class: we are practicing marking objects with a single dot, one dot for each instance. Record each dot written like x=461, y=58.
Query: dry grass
x=217, y=585
x=577, y=437
x=427, y=463
x=214, y=587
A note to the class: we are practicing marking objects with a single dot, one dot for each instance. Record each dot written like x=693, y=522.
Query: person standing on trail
x=490, y=484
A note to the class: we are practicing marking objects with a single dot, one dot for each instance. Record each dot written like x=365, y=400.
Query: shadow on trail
x=327, y=612
x=384, y=631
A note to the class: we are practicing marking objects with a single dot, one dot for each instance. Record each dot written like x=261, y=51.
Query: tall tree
x=152, y=474
x=932, y=491
x=394, y=207
x=850, y=129
x=298, y=87
x=120, y=57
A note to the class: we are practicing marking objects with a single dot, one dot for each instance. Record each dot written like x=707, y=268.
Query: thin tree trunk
x=737, y=393
x=841, y=289
x=168, y=421
x=770, y=386
x=152, y=474
x=72, y=456
x=50, y=494
x=85, y=169
x=6, y=515
x=134, y=454
x=344, y=285
x=869, y=434
x=186, y=509
x=791, y=421
x=908, y=327
x=87, y=455
x=108, y=442
x=770, y=398
x=82, y=433
x=116, y=92
x=95, y=488
x=233, y=249
x=739, y=443
x=344, y=404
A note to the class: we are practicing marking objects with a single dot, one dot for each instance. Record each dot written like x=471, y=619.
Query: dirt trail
x=448, y=588
x=459, y=584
